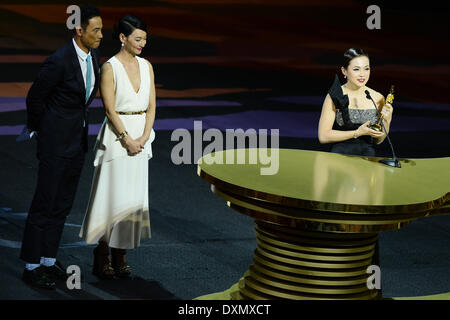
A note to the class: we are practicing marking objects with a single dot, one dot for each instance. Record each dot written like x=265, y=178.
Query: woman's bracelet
x=354, y=134
x=122, y=135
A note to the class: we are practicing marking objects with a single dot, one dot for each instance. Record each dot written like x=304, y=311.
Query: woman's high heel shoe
x=119, y=263
x=102, y=266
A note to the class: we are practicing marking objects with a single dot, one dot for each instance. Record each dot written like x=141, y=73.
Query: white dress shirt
x=82, y=56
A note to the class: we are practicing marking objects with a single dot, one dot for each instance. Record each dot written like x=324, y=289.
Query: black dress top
x=350, y=119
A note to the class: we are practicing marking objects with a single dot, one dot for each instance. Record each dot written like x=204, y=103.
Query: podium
x=317, y=219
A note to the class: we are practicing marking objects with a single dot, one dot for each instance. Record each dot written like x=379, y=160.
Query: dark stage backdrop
x=265, y=55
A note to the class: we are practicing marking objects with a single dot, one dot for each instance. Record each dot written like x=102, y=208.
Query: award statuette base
x=375, y=127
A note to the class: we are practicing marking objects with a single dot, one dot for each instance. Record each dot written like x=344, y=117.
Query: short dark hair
x=352, y=53
x=87, y=12
x=127, y=25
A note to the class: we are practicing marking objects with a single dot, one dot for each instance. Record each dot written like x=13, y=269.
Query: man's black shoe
x=38, y=278
x=56, y=272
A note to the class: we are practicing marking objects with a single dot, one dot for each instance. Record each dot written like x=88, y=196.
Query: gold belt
x=131, y=112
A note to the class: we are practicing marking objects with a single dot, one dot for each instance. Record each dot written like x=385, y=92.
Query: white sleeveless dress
x=118, y=209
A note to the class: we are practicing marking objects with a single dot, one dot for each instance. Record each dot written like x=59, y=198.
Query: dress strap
x=341, y=102
x=112, y=61
x=337, y=95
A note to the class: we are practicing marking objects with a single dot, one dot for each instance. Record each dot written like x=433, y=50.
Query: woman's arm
x=151, y=109
x=328, y=135
x=108, y=97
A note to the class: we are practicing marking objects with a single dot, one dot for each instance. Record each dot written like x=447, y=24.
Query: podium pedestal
x=318, y=218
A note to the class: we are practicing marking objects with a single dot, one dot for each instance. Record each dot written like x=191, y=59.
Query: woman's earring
x=344, y=74
x=122, y=44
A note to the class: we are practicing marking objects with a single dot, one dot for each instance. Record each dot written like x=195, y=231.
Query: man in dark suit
x=57, y=109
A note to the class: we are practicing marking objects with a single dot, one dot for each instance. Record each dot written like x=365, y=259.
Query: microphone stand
x=390, y=162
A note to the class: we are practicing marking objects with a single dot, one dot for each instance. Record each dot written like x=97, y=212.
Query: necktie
x=88, y=77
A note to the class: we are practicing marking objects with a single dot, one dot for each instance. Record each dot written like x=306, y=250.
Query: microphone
x=390, y=162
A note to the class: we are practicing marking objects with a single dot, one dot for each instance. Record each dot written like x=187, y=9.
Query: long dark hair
x=352, y=53
x=127, y=25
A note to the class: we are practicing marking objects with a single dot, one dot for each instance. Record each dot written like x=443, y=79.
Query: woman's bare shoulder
x=375, y=94
x=106, y=67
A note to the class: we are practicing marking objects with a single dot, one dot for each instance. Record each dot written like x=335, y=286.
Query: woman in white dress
x=117, y=215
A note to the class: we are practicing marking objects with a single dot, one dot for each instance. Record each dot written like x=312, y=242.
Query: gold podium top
x=334, y=182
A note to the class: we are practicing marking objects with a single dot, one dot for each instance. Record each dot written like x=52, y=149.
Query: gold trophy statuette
x=389, y=100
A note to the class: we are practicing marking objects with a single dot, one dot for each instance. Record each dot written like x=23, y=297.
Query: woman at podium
x=348, y=113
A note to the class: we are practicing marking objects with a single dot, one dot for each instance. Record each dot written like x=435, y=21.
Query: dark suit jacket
x=56, y=106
